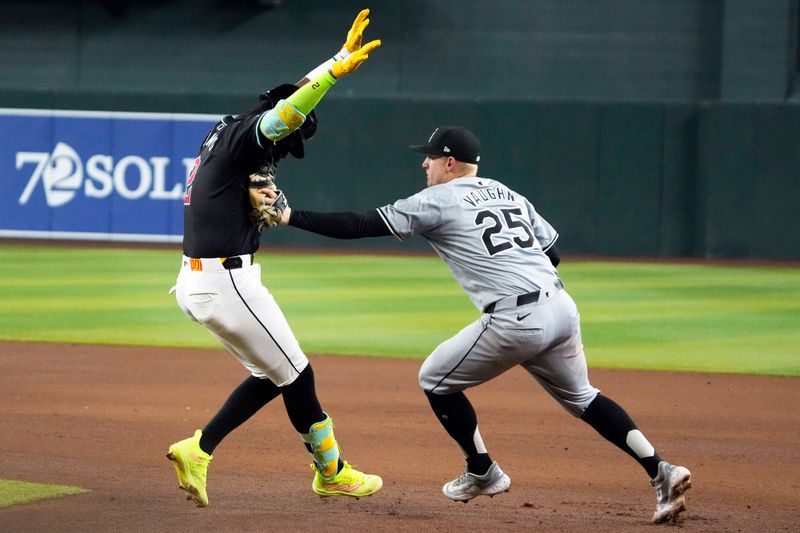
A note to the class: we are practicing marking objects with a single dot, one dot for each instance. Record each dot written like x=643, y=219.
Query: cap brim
x=424, y=149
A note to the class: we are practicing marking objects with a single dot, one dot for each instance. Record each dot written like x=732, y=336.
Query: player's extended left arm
x=289, y=114
x=342, y=225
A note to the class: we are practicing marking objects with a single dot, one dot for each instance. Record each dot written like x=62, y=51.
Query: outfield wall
x=638, y=127
x=705, y=180
x=748, y=175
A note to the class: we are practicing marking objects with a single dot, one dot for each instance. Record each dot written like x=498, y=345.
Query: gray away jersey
x=492, y=238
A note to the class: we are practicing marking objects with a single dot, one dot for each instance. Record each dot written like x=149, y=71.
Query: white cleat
x=671, y=483
x=468, y=485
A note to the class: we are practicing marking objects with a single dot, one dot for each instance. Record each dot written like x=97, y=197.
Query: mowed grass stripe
x=634, y=315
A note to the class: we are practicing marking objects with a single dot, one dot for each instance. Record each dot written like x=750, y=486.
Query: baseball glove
x=262, y=214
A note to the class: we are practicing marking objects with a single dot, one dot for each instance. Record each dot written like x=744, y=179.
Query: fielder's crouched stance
x=501, y=251
x=220, y=287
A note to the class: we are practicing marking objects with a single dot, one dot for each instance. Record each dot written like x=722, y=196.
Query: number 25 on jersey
x=505, y=230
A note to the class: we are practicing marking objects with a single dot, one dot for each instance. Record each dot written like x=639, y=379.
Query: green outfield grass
x=17, y=492
x=635, y=315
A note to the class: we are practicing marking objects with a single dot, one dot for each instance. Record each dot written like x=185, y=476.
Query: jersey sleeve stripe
x=545, y=248
x=388, y=224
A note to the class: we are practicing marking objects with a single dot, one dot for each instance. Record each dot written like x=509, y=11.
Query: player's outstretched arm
x=289, y=114
x=341, y=225
x=345, y=62
x=351, y=44
x=351, y=63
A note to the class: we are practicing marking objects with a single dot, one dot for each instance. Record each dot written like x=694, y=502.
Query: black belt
x=232, y=263
x=199, y=264
x=525, y=299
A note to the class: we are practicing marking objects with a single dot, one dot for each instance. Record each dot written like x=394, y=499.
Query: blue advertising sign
x=96, y=175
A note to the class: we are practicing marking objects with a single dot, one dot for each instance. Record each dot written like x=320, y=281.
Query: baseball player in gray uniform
x=502, y=252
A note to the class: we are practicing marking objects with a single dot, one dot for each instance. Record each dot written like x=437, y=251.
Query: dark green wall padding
x=581, y=49
x=671, y=180
x=749, y=179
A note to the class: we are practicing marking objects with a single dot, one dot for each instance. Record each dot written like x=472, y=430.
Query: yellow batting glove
x=350, y=64
x=353, y=41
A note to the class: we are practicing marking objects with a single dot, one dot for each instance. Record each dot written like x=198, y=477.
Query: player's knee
x=422, y=380
x=425, y=381
x=576, y=404
x=434, y=384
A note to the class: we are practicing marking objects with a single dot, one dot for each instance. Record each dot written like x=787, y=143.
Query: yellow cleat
x=191, y=465
x=348, y=482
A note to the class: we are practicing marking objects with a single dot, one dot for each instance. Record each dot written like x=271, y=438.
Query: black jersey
x=216, y=212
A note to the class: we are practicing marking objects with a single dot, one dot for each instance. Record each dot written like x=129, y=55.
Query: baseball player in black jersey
x=502, y=252
x=220, y=287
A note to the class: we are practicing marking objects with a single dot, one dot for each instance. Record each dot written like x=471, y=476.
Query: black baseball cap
x=452, y=141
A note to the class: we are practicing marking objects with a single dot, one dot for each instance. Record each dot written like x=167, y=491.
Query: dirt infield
x=102, y=417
